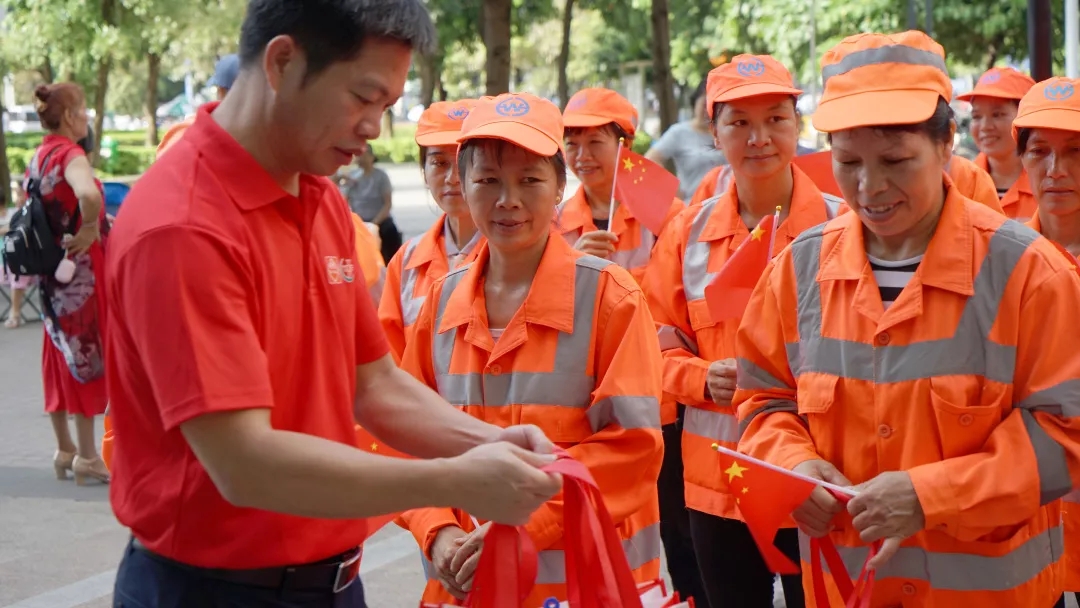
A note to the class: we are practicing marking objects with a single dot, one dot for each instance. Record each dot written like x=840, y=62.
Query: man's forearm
x=308, y=476
x=414, y=419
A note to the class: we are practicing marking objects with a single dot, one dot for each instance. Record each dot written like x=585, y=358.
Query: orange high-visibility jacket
x=968, y=382
x=1070, y=503
x=689, y=338
x=974, y=183
x=580, y=359
x=1019, y=201
x=412, y=270
x=369, y=258
x=712, y=184
x=635, y=245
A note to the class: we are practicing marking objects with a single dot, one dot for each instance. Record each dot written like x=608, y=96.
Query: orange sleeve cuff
x=937, y=497
x=426, y=523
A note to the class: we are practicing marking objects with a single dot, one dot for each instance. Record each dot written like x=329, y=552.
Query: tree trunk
x=388, y=123
x=663, y=83
x=153, y=71
x=440, y=90
x=425, y=64
x=564, y=53
x=5, y=173
x=47, y=71
x=496, y=35
x=992, y=51
x=99, y=106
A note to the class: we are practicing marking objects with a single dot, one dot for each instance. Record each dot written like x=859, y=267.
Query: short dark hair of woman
x=332, y=31
x=465, y=157
x=938, y=127
x=52, y=101
x=610, y=127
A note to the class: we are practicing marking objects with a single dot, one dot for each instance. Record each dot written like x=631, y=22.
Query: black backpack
x=30, y=246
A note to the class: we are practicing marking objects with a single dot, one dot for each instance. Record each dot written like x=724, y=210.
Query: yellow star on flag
x=735, y=471
x=757, y=233
x=745, y=490
x=374, y=447
x=628, y=164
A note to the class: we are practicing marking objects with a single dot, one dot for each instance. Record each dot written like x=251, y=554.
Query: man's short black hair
x=330, y=31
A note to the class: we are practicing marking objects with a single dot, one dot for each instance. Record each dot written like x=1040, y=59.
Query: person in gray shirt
x=370, y=195
x=689, y=146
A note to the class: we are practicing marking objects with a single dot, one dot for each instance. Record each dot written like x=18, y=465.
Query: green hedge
x=134, y=157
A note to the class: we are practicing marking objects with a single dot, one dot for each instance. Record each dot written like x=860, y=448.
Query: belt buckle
x=348, y=571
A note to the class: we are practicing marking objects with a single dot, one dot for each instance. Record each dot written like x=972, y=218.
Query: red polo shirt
x=228, y=294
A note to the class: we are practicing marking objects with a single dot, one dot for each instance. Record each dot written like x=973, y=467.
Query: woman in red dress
x=72, y=358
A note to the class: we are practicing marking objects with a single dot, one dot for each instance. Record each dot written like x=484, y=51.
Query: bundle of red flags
x=645, y=188
x=729, y=292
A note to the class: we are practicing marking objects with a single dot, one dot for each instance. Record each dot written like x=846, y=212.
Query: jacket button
x=884, y=430
x=966, y=419
x=496, y=369
x=883, y=338
x=908, y=589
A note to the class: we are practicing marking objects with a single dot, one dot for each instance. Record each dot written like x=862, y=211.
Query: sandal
x=12, y=322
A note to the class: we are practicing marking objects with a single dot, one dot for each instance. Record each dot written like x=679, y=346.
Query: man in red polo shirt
x=244, y=344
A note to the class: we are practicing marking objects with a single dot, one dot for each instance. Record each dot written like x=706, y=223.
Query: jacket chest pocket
x=964, y=418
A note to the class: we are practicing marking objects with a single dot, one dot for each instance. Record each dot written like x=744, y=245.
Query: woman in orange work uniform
x=534, y=330
x=451, y=241
x=1047, y=135
x=754, y=121
x=904, y=347
x=595, y=120
x=994, y=101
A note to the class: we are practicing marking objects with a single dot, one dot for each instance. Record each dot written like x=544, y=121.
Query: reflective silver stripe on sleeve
x=716, y=426
x=750, y=376
x=626, y=411
x=1062, y=399
x=1050, y=460
x=771, y=406
x=410, y=303
x=638, y=257
x=442, y=346
x=968, y=352
x=672, y=338
x=959, y=571
x=896, y=53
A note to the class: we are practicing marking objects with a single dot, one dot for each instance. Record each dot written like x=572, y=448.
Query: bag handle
x=855, y=594
x=598, y=574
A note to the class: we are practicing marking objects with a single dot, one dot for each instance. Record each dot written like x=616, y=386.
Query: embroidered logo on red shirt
x=348, y=271
x=333, y=270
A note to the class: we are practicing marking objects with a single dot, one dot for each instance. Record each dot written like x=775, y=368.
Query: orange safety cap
x=747, y=76
x=440, y=124
x=596, y=107
x=522, y=119
x=881, y=79
x=1003, y=83
x=1051, y=104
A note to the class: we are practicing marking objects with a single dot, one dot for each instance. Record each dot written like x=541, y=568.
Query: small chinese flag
x=818, y=167
x=765, y=497
x=367, y=442
x=646, y=188
x=729, y=293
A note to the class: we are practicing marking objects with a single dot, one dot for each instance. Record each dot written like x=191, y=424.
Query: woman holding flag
x=896, y=349
x=451, y=241
x=994, y=102
x=1047, y=134
x=615, y=214
x=534, y=330
x=751, y=102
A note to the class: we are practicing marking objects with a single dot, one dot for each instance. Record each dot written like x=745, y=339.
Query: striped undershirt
x=892, y=277
x=1002, y=192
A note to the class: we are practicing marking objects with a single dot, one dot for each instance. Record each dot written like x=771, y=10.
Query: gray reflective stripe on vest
x=566, y=385
x=632, y=259
x=410, y=305
x=832, y=205
x=771, y=407
x=641, y=548
x=672, y=338
x=968, y=352
x=1073, y=497
x=716, y=426
x=954, y=571
x=1062, y=399
x=896, y=53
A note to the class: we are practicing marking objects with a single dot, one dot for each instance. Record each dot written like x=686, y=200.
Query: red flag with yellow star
x=646, y=188
x=367, y=442
x=729, y=293
x=765, y=497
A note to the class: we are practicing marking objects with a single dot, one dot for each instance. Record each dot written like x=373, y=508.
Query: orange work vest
x=593, y=392
x=1019, y=201
x=958, y=383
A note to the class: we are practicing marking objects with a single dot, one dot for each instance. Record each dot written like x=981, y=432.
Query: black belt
x=333, y=574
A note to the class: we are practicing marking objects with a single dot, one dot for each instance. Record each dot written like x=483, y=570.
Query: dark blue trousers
x=145, y=581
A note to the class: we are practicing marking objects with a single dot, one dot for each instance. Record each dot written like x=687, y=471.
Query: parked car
x=21, y=119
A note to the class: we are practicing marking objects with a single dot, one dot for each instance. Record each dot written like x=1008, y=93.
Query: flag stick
x=614, y=179
x=772, y=233
x=831, y=486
